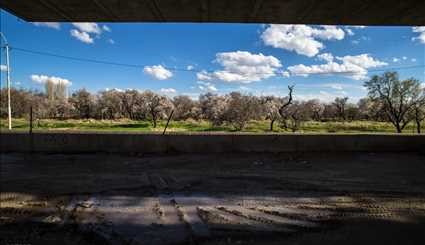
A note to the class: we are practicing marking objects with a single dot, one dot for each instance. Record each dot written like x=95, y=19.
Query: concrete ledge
x=54, y=142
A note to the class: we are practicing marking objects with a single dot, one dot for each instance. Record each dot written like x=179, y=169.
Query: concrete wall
x=323, y=12
x=206, y=143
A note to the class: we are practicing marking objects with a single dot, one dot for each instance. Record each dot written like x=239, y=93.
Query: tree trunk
x=418, y=126
x=154, y=122
x=153, y=114
x=271, y=124
x=398, y=128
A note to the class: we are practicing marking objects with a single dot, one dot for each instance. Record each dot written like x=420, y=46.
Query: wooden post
x=166, y=125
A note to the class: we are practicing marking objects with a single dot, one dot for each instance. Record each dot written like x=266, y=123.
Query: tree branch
x=289, y=102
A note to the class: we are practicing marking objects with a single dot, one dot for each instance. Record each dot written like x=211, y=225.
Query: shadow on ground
x=350, y=198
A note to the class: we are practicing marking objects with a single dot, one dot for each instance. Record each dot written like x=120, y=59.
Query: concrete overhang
x=331, y=12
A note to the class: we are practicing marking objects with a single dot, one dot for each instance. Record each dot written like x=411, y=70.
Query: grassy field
x=202, y=126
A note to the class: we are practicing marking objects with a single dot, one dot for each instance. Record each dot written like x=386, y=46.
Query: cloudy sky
x=322, y=62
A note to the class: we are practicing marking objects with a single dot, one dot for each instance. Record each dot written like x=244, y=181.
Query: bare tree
x=352, y=112
x=365, y=106
x=110, y=104
x=371, y=110
x=196, y=111
x=20, y=103
x=129, y=99
x=40, y=105
x=271, y=105
x=82, y=101
x=340, y=106
x=397, y=97
x=241, y=109
x=55, y=89
x=399, y=102
x=59, y=109
x=316, y=109
x=419, y=115
x=289, y=102
x=49, y=86
x=157, y=106
x=295, y=115
x=213, y=108
x=183, y=107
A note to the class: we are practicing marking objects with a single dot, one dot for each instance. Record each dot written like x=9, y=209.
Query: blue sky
x=190, y=59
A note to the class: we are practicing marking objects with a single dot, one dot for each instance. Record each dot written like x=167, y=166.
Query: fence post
x=169, y=118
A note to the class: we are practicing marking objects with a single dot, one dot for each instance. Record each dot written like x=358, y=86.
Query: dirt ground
x=302, y=198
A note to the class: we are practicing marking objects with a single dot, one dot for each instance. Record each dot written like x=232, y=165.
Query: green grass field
x=201, y=126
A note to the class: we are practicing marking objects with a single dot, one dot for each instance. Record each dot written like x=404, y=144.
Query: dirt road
x=350, y=198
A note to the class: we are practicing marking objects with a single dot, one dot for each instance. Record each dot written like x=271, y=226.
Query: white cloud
x=56, y=80
x=354, y=67
x=115, y=89
x=3, y=68
x=358, y=27
x=106, y=28
x=349, y=31
x=193, y=96
x=336, y=86
x=285, y=74
x=418, y=28
x=53, y=25
x=302, y=39
x=361, y=39
x=328, y=33
x=242, y=67
x=395, y=60
x=413, y=60
x=421, y=31
x=404, y=58
x=323, y=96
x=82, y=36
x=168, y=90
x=328, y=57
x=366, y=38
x=85, y=30
x=204, y=76
x=158, y=72
x=111, y=41
x=207, y=86
x=189, y=67
x=88, y=27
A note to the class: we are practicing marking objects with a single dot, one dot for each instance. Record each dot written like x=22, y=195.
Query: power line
x=94, y=60
x=75, y=58
x=104, y=62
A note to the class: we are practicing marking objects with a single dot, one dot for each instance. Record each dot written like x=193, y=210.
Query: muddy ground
x=310, y=198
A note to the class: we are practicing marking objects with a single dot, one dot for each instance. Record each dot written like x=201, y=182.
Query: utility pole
x=9, y=108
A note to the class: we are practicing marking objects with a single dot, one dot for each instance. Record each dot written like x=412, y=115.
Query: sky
x=323, y=62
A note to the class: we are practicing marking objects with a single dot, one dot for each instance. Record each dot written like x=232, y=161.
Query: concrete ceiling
x=346, y=12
